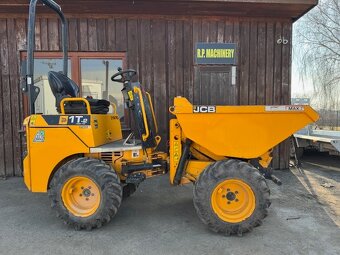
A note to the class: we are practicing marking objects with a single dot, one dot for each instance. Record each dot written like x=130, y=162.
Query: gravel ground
x=160, y=219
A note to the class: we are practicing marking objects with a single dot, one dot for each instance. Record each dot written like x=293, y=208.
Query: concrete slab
x=160, y=219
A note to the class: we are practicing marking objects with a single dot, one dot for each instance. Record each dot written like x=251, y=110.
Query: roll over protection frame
x=31, y=46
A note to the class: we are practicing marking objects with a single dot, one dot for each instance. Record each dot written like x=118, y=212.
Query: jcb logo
x=204, y=109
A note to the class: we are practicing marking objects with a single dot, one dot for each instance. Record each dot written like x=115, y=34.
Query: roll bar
x=32, y=92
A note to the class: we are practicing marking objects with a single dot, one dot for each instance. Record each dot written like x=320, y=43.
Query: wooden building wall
x=162, y=50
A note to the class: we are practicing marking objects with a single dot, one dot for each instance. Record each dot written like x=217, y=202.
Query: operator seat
x=63, y=87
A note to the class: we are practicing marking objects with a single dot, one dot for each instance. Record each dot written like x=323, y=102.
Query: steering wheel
x=125, y=75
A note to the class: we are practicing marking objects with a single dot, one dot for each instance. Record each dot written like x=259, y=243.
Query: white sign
x=284, y=108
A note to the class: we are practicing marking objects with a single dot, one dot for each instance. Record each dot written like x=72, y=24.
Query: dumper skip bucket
x=240, y=131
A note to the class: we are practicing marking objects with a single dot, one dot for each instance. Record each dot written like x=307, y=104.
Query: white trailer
x=321, y=140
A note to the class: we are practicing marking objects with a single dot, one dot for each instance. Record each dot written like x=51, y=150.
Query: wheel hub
x=233, y=200
x=231, y=196
x=81, y=196
x=87, y=192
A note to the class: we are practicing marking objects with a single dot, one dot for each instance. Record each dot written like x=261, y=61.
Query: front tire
x=231, y=197
x=86, y=193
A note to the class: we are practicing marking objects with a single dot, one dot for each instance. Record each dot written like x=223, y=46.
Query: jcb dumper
x=80, y=158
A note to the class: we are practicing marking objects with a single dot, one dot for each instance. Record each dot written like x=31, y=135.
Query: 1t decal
x=78, y=120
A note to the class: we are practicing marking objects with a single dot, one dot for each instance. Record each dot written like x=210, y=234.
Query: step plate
x=115, y=146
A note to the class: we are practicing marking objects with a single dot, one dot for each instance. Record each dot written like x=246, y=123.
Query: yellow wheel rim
x=233, y=201
x=81, y=196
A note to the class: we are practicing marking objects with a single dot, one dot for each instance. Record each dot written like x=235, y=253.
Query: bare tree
x=317, y=52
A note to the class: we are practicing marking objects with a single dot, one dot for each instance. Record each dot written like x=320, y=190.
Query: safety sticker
x=95, y=122
x=32, y=120
x=135, y=154
x=284, y=108
x=63, y=120
x=130, y=95
x=176, y=152
x=39, y=137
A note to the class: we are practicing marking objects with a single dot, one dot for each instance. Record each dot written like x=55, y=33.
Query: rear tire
x=86, y=193
x=231, y=197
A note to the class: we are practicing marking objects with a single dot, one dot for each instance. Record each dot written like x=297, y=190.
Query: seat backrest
x=61, y=85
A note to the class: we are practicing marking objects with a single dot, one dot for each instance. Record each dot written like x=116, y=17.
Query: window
x=96, y=81
x=92, y=72
x=45, y=102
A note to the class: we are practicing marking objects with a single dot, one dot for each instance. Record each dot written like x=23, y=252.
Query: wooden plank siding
x=162, y=50
x=11, y=103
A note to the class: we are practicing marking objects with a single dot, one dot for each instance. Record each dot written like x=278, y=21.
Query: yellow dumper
x=80, y=158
